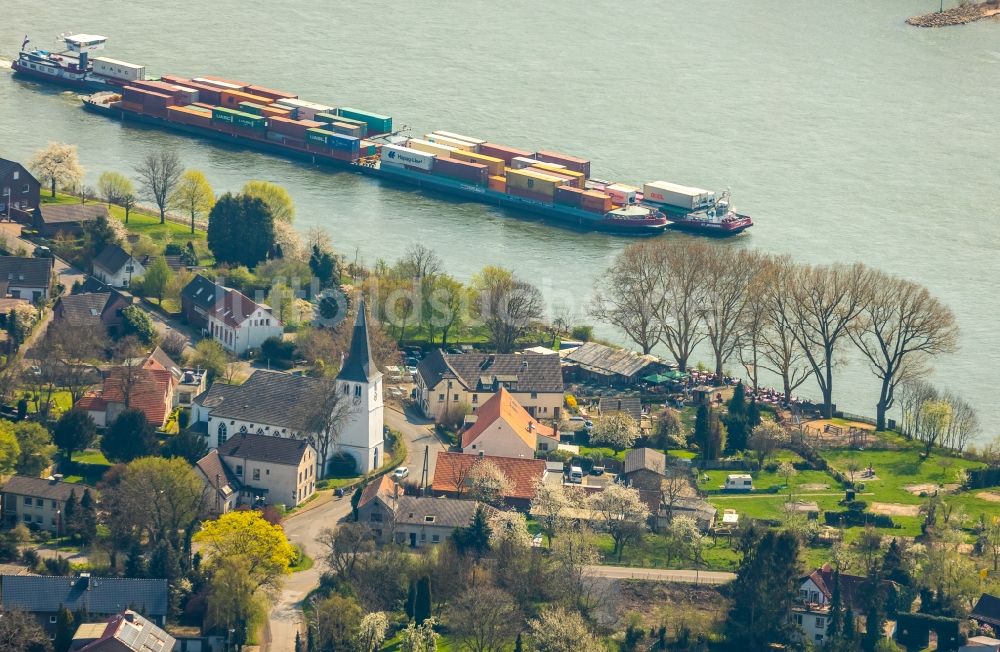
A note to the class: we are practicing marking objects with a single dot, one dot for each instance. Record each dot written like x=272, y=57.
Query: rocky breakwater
x=960, y=15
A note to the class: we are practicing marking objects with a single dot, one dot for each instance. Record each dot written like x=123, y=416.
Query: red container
x=569, y=196
x=182, y=95
x=131, y=106
x=174, y=79
x=475, y=172
x=270, y=92
x=500, y=151
x=275, y=112
x=157, y=100
x=287, y=127
x=527, y=194
x=132, y=95
x=572, y=162
x=232, y=99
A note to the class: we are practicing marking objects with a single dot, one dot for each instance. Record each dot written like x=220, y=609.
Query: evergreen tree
x=764, y=589
x=240, y=230
x=701, y=422
x=74, y=431
x=135, y=566
x=411, y=599
x=874, y=615
x=422, y=601
x=88, y=518
x=850, y=627
x=836, y=624
x=894, y=564
x=298, y=642
x=64, y=630
x=518, y=644
x=752, y=415
x=476, y=537
x=323, y=266
x=130, y=436
x=737, y=404
x=69, y=516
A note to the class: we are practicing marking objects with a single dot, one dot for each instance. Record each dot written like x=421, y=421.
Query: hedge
x=858, y=519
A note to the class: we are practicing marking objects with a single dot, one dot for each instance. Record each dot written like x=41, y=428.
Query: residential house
x=645, y=468
x=811, y=610
x=43, y=596
x=93, y=310
x=270, y=470
x=606, y=365
x=453, y=473
x=987, y=611
x=144, y=385
x=284, y=405
x=447, y=382
x=70, y=219
x=24, y=277
x=123, y=632
x=19, y=192
x=198, y=298
x=39, y=502
x=701, y=511
x=239, y=324
x=630, y=405
x=415, y=521
x=503, y=428
x=981, y=644
x=224, y=488
x=118, y=267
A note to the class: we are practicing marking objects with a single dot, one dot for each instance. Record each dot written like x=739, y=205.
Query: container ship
x=555, y=186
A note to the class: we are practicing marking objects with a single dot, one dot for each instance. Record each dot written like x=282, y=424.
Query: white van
x=576, y=475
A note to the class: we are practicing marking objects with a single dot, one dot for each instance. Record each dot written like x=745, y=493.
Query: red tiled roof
x=93, y=402
x=150, y=388
x=502, y=405
x=385, y=485
x=234, y=308
x=453, y=468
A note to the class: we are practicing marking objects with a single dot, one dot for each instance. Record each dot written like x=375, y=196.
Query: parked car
x=410, y=369
x=576, y=475
x=597, y=470
x=41, y=251
x=400, y=473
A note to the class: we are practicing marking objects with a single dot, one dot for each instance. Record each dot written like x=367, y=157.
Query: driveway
x=418, y=433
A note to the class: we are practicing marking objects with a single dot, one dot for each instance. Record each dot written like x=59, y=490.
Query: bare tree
x=630, y=294
x=71, y=352
x=130, y=371
x=935, y=417
x=420, y=262
x=160, y=172
x=683, y=307
x=329, y=411
x=729, y=274
x=964, y=424
x=672, y=487
x=508, y=306
x=901, y=325
x=345, y=546
x=825, y=304
x=914, y=393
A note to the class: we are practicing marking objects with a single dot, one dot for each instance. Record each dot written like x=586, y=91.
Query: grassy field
x=651, y=553
x=62, y=400
x=88, y=466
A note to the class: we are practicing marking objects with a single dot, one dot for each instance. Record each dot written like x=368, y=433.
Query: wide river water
x=845, y=133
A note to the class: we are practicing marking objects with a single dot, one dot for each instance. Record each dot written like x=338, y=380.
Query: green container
x=350, y=121
x=318, y=135
x=250, y=107
x=328, y=118
x=377, y=124
x=249, y=121
x=222, y=114
x=358, y=131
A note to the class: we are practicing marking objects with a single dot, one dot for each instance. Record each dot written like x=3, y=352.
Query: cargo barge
x=555, y=186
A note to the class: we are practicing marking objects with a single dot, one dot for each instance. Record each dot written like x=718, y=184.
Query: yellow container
x=498, y=183
x=428, y=147
x=578, y=178
x=533, y=181
x=493, y=164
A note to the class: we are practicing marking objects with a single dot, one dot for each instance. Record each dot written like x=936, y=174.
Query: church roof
x=359, y=367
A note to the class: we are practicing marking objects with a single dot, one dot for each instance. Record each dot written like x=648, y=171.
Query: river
x=845, y=133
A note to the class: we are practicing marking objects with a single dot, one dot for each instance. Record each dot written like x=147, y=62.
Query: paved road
x=660, y=575
x=304, y=529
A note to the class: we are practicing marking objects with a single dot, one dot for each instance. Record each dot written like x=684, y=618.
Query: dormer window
x=428, y=519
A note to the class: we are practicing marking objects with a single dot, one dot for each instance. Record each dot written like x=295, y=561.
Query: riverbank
x=959, y=15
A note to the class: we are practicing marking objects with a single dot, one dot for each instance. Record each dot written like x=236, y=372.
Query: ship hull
x=77, y=82
x=564, y=215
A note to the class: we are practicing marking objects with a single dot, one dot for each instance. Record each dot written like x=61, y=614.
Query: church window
x=222, y=433
x=357, y=390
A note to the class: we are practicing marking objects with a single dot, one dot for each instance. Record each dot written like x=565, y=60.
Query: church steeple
x=359, y=367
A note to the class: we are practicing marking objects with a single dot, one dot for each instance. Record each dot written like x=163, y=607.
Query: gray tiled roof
x=608, y=360
x=112, y=258
x=84, y=308
x=519, y=372
x=26, y=485
x=202, y=292
x=631, y=405
x=217, y=473
x=6, y=167
x=359, y=367
x=62, y=213
x=645, y=458
x=267, y=397
x=444, y=512
x=25, y=271
x=95, y=595
x=265, y=448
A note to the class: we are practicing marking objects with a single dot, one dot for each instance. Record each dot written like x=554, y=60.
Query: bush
x=276, y=348
x=342, y=465
x=582, y=332
x=571, y=401
x=559, y=455
x=851, y=518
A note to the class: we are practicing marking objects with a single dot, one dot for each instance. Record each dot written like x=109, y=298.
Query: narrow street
x=304, y=529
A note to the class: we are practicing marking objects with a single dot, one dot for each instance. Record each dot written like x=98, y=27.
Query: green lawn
x=62, y=400
x=651, y=553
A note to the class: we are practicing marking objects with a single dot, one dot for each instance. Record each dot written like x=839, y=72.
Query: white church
x=276, y=404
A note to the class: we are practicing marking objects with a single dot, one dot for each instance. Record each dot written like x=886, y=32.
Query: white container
x=396, y=155
x=218, y=84
x=119, y=69
x=304, y=110
x=521, y=162
x=448, y=134
x=621, y=194
x=451, y=142
x=674, y=194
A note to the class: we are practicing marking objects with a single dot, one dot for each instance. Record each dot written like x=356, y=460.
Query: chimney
x=55, y=479
x=827, y=568
x=531, y=426
x=85, y=581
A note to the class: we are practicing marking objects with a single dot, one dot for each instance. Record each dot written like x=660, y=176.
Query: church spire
x=359, y=367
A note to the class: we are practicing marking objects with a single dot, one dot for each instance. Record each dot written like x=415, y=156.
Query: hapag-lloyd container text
x=396, y=155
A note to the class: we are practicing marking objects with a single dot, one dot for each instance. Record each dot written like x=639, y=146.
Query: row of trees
x=775, y=315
